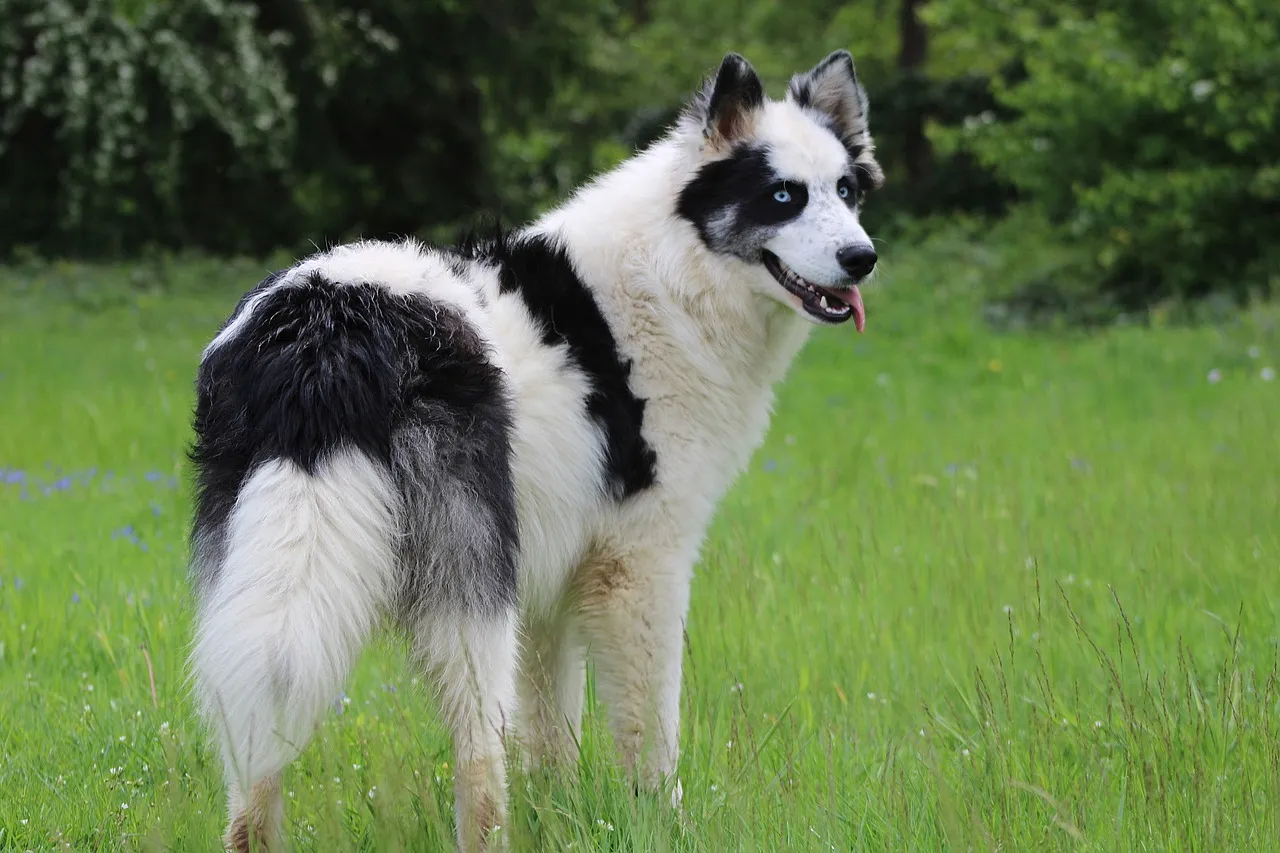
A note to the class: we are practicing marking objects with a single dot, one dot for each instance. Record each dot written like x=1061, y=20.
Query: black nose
x=857, y=261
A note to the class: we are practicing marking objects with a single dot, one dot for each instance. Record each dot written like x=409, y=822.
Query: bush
x=107, y=120
x=239, y=126
x=1149, y=128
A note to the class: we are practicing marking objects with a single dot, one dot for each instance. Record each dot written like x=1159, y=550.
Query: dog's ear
x=729, y=102
x=831, y=88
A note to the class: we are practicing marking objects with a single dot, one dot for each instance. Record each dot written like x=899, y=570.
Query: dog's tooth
x=823, y=303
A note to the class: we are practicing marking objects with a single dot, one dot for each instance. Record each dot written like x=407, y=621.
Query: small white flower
x=922, y=733
x=355, y=766
x=124, y=806
x=714, y=787
x=729, y=745
x=1268, y=374
x=23, y=821
x=1008, y=608
x=1097, y=724
x=871, y=696
x=1215, y=376
x=965, y=753
x=372, y=791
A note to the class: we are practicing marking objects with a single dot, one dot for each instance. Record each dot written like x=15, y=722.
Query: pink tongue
x=859, y=310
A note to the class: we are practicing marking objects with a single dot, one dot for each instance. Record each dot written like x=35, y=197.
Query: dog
x=511, y=448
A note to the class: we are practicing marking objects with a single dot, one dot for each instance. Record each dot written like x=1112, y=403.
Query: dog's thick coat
x=511, y=448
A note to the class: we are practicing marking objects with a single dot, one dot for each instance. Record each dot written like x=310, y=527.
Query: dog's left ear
x=832, y=88
x=728, y=103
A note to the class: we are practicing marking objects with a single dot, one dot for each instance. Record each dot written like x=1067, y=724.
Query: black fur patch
x=319, y=367
x=740, y=187
x=542, y=272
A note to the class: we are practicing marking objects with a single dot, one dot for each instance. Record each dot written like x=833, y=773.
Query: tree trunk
x=918, y=151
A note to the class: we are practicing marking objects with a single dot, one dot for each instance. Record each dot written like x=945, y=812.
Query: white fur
x=708, y=335
x=308, y=570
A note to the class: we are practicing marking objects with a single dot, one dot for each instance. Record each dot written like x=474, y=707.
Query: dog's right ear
x=728, y=103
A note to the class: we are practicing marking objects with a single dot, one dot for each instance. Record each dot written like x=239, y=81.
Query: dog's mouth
x=829, y=304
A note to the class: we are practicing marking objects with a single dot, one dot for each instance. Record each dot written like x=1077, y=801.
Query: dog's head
x=779, y=184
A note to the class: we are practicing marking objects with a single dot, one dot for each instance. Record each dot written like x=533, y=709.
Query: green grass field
x=977, y=591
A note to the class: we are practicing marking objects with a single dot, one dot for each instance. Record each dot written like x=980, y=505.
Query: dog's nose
x=857, y=261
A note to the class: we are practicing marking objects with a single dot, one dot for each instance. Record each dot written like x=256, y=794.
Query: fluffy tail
x=306, y=570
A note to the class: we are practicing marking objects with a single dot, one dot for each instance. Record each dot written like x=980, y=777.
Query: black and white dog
x=511, y=448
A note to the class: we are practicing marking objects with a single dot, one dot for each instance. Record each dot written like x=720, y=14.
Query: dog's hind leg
x=306, y=569
x=471, y=658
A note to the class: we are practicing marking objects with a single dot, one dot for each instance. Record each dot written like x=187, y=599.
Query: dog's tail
x=307, y=571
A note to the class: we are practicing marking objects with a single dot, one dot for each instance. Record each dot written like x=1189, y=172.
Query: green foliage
x=239, y=126
x=105, y=117
x=1149, y=130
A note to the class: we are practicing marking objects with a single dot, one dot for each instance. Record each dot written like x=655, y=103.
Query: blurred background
x=1118, y=153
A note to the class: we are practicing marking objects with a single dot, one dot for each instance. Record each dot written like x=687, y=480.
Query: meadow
x=979, y=589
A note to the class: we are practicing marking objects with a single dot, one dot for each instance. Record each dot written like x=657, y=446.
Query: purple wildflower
x=153, y=476
x=770, y=465
x=75, y=598
x=17, y=583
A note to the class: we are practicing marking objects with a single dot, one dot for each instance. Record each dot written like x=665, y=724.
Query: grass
x=976, y=591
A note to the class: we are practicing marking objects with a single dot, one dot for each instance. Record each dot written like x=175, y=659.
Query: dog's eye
x=843, y=191
x=782, y=196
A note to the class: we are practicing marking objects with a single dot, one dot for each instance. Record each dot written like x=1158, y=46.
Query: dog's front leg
x=633, y=606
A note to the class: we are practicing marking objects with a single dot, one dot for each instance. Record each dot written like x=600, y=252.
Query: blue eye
x=843, y=191
x=782, y=196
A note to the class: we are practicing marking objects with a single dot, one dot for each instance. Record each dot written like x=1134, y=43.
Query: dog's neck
x=650, y=270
